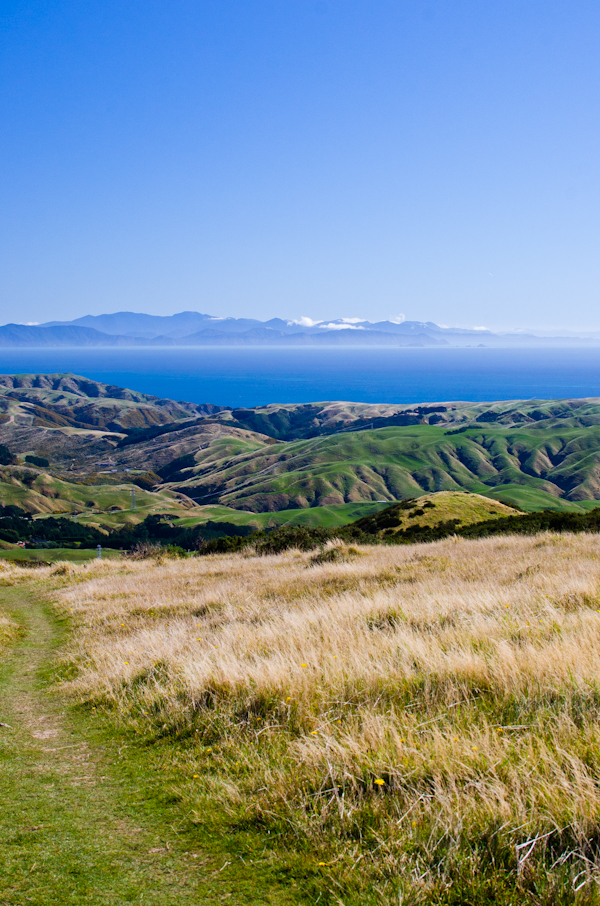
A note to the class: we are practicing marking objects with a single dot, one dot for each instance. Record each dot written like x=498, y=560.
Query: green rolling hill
x=40, y=493
x=531, y=467
x=316, y=463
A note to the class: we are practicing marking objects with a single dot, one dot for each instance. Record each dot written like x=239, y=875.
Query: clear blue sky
x=325, y=158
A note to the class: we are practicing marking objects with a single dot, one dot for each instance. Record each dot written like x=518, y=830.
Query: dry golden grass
x=8, y=630
x=425, y=712
x=8, y=627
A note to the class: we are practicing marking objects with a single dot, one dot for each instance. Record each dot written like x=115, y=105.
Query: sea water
x=255, y=376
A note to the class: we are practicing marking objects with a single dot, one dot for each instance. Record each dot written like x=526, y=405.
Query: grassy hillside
x=466, y=508
x=40, y=493
x=526, y=467
x=292, y=422
x=69, y=400
x=419, y=724
x=208, y=443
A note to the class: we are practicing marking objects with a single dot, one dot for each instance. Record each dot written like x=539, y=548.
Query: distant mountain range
x=190, y=328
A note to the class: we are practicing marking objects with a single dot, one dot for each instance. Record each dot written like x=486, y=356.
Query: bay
x=255, y=376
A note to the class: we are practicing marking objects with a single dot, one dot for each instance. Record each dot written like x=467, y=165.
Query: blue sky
x=320, y=158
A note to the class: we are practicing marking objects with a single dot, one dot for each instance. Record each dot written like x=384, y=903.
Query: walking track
x=72, y=829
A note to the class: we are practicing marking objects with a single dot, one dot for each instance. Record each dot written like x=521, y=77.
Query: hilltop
x=428, y=511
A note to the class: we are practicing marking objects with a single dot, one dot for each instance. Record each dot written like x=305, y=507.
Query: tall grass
x=423, y=721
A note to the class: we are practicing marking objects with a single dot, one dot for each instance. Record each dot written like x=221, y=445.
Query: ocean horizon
x=246, y=377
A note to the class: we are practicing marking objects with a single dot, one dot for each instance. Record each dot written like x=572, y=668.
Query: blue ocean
x=256, y=376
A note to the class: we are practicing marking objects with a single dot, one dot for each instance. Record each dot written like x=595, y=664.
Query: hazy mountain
x=129, y=323
x=227, y=332
x=265, y=336
x=25, y=335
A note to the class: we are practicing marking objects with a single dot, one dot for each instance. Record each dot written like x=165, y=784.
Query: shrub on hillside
x=337, y=554
x=144, y=550
x=146, y=481
x=301, y=537
x=173, y=551
x=6, y=457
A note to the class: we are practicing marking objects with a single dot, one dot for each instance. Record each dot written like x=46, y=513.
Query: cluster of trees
x=40, y=461
x=276, y=540
x=211, y=537
x=17, y=525
x=6, y=457
x=164, y=530
x=140, y=435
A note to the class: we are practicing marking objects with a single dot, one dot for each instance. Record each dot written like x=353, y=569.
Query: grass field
x=414, y=724
x=327, y=516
